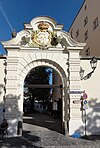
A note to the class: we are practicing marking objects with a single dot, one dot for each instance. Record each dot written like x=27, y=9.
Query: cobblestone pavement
x=35, y=136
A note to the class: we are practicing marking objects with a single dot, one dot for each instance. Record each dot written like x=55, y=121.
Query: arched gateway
x=42, y=43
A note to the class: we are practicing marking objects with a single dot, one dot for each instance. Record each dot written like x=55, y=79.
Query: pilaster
x=75, y=122
x=12, y=97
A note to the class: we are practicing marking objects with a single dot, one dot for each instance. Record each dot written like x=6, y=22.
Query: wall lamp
x=93, y=64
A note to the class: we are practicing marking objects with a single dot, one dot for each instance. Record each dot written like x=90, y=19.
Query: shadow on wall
x=91, y=119
x=1, y=102
x=13, y=114
x=1, y=87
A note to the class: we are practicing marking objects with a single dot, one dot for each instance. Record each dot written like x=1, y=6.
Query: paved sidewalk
x=48, y=139
x=46, y=136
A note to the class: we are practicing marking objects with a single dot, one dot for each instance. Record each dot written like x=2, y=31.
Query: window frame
x=95, y=23
x=86, y=35
x=77, y=33
x=85, y=21
x=87, y=52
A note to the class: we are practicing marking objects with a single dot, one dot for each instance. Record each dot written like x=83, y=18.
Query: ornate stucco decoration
x=42, y=35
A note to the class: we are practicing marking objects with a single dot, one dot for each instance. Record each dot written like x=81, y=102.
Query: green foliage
x=38, y=75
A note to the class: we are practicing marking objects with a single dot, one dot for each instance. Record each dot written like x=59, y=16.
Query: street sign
x=85, y=96
x=85, y=102
x=77, y=101
x=85, y=107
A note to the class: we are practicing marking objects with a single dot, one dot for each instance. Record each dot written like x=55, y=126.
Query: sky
x=14, y=13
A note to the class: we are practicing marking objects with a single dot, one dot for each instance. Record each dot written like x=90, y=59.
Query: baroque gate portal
x=42, y=43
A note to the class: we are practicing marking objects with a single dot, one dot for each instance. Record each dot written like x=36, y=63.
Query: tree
x=38, y=75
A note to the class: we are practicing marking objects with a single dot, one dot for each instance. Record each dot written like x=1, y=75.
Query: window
x=86, y=35
x=85, y=21
x=71, y=33
x=87, y=52
x=85, y=7
x=95, y=23
x=77, y=33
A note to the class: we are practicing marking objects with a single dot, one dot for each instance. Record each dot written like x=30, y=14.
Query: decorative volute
x=44, y=33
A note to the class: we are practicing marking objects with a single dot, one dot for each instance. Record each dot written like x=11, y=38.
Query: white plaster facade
x=91, y=87
x=31, y=48
x=2, y=85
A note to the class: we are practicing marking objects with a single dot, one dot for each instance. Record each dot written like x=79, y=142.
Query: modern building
x=86, y=27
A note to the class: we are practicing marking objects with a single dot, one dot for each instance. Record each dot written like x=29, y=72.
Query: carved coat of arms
x=42, y=36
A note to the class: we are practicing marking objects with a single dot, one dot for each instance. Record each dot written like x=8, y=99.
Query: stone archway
x=64, y=78
x=62, y=74
x=42, y=43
